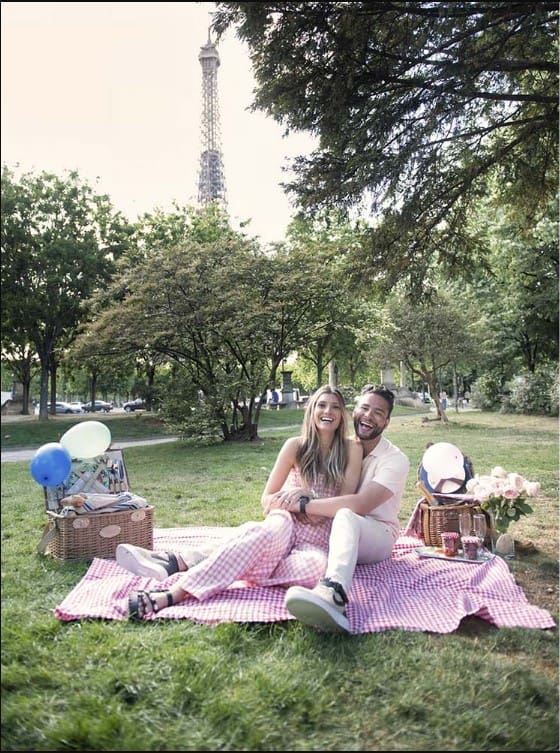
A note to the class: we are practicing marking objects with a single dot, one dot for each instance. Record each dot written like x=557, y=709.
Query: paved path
x=9, y=456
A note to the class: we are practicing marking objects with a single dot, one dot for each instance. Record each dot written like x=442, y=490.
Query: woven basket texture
x=83, y=537
x=438, y=518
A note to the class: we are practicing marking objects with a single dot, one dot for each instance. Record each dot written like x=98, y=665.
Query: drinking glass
x=479, y=528
x=465, y=523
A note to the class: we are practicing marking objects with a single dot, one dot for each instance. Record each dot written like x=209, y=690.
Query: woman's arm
x=353, y=469
x=285, y=460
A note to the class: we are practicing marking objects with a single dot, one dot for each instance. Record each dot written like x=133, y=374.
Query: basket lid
x=444, y=469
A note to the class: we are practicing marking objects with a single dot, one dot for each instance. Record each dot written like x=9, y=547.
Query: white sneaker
x=156, y=565
x=322, y=606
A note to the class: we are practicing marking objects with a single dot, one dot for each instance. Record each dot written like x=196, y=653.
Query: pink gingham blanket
x=405, y=592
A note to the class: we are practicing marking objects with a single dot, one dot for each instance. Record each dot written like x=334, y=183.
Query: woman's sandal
x=140, y=603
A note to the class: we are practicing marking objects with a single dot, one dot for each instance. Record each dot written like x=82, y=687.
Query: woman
x=286, y=548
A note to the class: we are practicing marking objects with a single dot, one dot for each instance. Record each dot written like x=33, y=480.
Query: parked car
x=62, y=407
x=137, y=404
x=100, y=405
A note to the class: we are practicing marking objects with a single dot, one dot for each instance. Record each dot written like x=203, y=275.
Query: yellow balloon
x=86, y=439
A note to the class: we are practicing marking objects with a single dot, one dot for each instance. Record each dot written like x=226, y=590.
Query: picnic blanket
x=405, y=592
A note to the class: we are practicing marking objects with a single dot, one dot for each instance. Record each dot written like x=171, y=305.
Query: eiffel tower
x=211, y=183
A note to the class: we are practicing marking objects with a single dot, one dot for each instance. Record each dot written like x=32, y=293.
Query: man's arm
x=362, y=503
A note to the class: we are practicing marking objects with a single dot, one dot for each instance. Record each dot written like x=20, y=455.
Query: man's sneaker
x=322, y=606
x=156, y=565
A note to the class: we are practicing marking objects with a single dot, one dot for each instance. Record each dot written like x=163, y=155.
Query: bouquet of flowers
x=503, y=495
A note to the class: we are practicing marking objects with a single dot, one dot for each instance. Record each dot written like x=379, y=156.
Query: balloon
x=51, y=464
x=86, y=439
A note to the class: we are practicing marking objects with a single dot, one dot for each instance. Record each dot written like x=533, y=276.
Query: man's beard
x=366, y=435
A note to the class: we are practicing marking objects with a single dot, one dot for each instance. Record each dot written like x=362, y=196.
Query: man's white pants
x=356, y=539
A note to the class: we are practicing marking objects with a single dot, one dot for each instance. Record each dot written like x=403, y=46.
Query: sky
x=114, y=91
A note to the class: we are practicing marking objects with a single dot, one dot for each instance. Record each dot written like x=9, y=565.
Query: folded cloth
x=405, y=592
x=102, y=503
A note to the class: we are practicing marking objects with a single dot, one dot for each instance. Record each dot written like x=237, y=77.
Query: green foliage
x=187, y=415
x=428, y=336
x=59, y=243
x=416, y=106
x=517, y=295
x=487, y=391
x=530, y=393
x=222, y=313
x=554, y=391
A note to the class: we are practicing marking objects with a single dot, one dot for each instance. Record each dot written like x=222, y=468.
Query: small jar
x=450, y=543
x=470, y=547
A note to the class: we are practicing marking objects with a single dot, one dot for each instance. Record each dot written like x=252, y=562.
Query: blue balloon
x=51, y=464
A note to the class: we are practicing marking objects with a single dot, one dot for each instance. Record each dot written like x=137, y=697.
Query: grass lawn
x=111, y=686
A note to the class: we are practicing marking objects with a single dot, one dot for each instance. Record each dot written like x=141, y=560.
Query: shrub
x=487, y=392
x=531, y=394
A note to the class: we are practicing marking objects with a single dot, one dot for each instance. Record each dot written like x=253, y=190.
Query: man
x=365, y=524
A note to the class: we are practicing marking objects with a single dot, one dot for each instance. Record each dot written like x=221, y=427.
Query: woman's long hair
x=309, y=457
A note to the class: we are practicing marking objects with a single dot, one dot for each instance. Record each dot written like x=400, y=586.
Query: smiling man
x=365, y=525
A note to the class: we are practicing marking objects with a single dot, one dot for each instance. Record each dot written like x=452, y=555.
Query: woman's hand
x=287, y=499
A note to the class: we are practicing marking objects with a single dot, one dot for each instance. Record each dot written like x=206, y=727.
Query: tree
x=22, y=362
x=427, y=336
x=59, y=242
x=415, y=105
x=325, y=250
x=221, y=312
x=518, y=296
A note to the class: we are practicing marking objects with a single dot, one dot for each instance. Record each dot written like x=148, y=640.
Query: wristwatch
x=305, y=499
x=303, y=502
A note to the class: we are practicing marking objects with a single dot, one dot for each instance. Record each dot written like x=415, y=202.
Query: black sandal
x=140, y=603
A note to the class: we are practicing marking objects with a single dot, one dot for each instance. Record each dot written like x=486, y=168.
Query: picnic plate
x=437, y=553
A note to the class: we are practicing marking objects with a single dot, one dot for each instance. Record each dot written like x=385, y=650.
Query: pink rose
x=516, y=481
x=532, y=488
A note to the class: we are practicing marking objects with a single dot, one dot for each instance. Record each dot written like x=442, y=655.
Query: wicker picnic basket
x=438, y=518
x=436, y=515
x=89, y=535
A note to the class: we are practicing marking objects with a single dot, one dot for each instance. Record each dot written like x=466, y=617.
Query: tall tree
x=427, y=336
x=59, y=242
x=517, y=297
x=326, y=249
x=220, y=310
x=415, y=105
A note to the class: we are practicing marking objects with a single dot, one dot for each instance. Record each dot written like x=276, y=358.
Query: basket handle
x=420, y=486
x=48, y=536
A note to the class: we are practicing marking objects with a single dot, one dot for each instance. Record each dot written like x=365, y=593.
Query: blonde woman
x=288, y=547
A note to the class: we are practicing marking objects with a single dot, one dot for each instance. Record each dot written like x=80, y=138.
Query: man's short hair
x=382, y=391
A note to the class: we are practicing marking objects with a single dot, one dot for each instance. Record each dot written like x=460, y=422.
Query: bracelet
x=303, y=502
